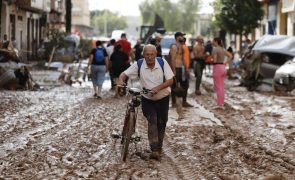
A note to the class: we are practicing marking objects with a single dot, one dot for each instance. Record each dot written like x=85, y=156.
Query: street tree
x=239, y=17
x=177, y=16
x=106, y=20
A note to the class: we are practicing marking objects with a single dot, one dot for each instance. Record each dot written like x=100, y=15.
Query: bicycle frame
x=130, y=119
x=132, y=106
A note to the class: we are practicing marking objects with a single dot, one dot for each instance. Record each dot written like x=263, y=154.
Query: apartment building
x=25, y=20
x=28, y=21
x=81, y=18
x=279, y=18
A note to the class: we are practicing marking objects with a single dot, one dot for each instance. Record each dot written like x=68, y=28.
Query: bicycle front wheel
x=128, y=130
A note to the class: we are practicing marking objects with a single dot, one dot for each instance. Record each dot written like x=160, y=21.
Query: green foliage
x=114, y=21
x=56, y=39
x=177, y=16
x=85, y=47
x=238, y=17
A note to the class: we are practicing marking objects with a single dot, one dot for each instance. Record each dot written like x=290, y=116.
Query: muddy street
x=65, y=133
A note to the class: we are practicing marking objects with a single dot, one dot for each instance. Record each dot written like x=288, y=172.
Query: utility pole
x=68, y=16
x=105, y=25
x=0, y=18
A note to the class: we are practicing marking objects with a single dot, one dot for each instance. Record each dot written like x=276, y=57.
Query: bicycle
x=130, y=119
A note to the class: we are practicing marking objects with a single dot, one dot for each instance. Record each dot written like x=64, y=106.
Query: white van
x=116, y=34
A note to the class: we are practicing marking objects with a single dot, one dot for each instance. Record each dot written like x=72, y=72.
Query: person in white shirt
x=155, y=105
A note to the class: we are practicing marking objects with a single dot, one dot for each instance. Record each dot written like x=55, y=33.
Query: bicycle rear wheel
x=128, y=130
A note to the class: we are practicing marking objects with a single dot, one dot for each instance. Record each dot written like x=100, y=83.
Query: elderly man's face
x=150, y=54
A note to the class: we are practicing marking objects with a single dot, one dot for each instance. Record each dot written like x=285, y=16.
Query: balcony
x=27, y=5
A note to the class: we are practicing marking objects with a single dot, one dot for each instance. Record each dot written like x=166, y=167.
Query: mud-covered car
x=67, y=52
x=284, y=78
x=270, y=60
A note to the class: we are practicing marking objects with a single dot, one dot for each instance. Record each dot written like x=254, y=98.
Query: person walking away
x=119, y=62
x=110, y=50
x=126, y=45
x=219, y=71
x=199, y=53
x=155, y=105
x=98, y=60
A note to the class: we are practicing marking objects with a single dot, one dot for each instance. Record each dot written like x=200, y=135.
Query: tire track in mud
x=274, y=156
x=170, y=166
x=29, y=122
x=57, y=136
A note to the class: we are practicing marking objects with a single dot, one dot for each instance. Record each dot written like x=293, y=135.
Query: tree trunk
x=222, y=34
x=51, y=55
x=240, y=45
x=68, y=16
x=0, y=18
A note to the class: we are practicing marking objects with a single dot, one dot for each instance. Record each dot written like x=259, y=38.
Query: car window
x=166, y=42
x=278, y=59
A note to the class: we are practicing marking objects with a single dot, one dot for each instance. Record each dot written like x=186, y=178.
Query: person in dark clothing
x=199, y=53
x=138, y=50
x=208, y=52
x=119, y=63
x=156, y=42
x=24, y=77
x=98, y=64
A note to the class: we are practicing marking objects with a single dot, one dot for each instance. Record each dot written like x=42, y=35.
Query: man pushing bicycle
x=156, y=75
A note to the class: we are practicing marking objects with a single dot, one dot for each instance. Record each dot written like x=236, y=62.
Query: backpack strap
x=139, y=63
x=160, y=61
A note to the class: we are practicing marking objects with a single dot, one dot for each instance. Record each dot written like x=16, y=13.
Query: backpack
x=98, y=56
x=160, y=61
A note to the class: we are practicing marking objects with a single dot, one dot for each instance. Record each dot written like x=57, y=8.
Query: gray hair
x=149, y=46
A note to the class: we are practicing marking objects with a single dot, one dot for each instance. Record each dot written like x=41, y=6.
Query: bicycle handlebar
x=136, y=91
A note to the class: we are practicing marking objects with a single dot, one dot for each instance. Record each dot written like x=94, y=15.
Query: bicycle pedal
x=137, y=138
x=115, y=136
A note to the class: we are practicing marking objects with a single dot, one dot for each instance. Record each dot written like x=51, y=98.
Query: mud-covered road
x=65, y=133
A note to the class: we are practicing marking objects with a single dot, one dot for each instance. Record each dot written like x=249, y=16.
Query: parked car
x=166, y=42
x=67, y=53
x=270, y=60
x=284, y=79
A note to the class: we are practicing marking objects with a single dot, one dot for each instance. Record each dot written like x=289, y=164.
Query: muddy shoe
x=222, y=107
x=143, y=156
x=155, y=155
x=180, y=117
x=186, y=104
x=198, y=92
x=98, y=97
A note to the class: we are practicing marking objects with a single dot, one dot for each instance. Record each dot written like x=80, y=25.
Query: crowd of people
x=167, y=78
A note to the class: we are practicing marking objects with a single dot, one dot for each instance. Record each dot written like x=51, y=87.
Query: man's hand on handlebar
x=155, y=90
x=121, y=83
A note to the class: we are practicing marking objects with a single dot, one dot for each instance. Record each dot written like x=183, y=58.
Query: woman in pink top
x=219, y=71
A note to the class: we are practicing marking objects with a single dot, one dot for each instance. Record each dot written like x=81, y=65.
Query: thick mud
x=65, y=133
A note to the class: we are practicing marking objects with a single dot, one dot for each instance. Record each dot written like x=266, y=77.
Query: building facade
x=279, y=18
x=81, y=18
x=24, y=20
